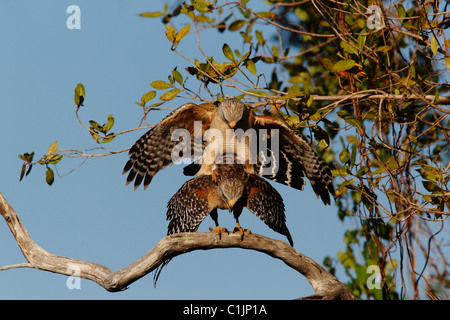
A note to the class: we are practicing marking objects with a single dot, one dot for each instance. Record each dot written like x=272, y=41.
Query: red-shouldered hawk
x=153, y=151
x=233, y=189
x=290, y=161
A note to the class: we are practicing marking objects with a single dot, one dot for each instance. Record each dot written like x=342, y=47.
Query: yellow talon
x=219, y=230
x=241, y=230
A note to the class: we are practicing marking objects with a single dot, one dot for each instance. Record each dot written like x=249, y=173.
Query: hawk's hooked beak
x=231, y=205
x=232, y=124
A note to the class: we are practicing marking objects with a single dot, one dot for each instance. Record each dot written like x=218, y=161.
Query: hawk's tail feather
x=288, y=236
x=158, y=271
x=175, y=226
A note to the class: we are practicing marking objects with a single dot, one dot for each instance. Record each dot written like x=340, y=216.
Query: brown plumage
x=230, y=188
x=295, y=158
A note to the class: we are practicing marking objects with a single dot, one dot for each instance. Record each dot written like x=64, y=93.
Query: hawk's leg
x=238, y=227
x=218, y=229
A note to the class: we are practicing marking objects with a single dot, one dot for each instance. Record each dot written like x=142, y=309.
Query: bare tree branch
x=324, y=284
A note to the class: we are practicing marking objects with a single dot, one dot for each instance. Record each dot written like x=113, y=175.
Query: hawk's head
x=230, y=191
x=231, y=111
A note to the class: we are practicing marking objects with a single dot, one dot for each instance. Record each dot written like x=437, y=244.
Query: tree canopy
x=365, y=82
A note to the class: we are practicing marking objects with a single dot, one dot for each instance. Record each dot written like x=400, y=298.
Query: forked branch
x=324, y=284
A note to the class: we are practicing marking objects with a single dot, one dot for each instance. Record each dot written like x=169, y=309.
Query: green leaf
x=52, y=149
x=95, y=137
x=275, y=51
x=27, y=157
x=95, y=125
x=169, y=95
x=147, y=97
x=343, y=171
x=182, y=33
x=430, y=173
x=49, y=176
x=79, y=95
x=227, y=52
x=303, y=15
x=434, y=44
x=361, y=41
x=55, y=159
x=154, y=14
x=411, y=12
x=347, y=259
x=344, y=65
x=323, y=144
x=401, y=12
x=265, y=14
x=155, y=105
x=344, y=156
x=260, y=38
x=353, y=156
x=202, y=6
x=392, y=195
x=106, y=140
x=354, y=122
x=383, y=48
x=431, y=187
x=236, y=25
x=362, y=171
x=251, y=66
x=160, y=85
x=310, y=101
x=177, y=76
x=22, y=172
x=110, y=123
x=348, y=48
x=170, y=33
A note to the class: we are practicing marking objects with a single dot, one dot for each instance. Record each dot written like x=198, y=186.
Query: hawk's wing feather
x=189, y=206
x=297, y=160
x=267, y=204
x=153, y=151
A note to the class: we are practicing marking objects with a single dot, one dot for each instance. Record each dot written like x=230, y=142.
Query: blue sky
x=90, y=214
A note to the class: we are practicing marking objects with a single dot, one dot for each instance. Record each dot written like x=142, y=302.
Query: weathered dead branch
x=324, y=284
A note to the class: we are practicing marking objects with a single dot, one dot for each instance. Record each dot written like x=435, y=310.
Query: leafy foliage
x=366, y=82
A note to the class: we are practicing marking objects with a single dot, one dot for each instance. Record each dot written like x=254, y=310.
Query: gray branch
x=325, y=285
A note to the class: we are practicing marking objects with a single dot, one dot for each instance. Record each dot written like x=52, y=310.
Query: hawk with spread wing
x=296, y=160
x=233, y=190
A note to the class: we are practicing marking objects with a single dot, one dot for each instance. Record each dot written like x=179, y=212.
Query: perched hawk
x=233, y=189
x=291, y=159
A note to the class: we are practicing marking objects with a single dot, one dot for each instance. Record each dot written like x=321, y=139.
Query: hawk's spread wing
x=189, y=206
x=153, y=151
x=296, y=160
x=267, y=204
